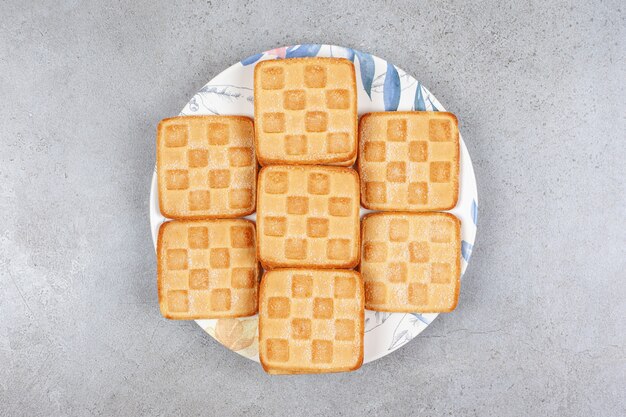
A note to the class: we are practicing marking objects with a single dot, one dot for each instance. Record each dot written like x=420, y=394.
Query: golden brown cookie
x=207, y=269
x=308, y=216
x=305, y=111
x=411, y=262
x=311, y=321
x=409, y=161
x=206, y=167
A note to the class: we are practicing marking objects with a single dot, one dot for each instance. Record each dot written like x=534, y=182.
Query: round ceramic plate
x=381, y=86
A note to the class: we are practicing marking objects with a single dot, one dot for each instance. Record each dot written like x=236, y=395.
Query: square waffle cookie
x=207, y=269
x=308, y=216
x=206, y=167
x=305, y=111
x=409, y=161
x=411, y=262
x=311, y=321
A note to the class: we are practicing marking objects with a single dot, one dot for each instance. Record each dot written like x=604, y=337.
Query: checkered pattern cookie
x=305, y=111
x=207, y=269
x=308, y=216
x=409, y=161
x=411, y=262
x=206, y=167
x=311, y=321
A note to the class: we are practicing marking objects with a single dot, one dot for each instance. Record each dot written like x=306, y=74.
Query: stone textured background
x=539, y=88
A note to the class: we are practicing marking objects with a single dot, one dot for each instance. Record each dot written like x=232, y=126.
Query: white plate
x=381, y=87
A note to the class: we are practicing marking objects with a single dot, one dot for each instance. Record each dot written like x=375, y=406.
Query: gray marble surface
x=539, y=88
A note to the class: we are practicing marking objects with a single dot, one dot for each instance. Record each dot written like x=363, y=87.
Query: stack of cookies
x=308, y=237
